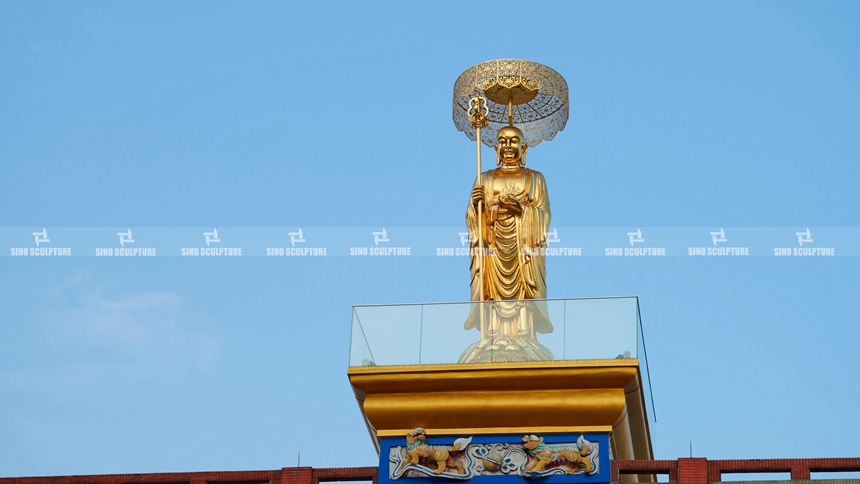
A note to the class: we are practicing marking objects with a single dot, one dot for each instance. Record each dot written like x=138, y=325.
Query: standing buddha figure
x=510, y=269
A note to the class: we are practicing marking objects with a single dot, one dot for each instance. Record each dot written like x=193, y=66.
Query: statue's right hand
x=477, y=195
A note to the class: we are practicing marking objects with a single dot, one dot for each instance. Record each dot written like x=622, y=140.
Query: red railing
x=287, y=475
x=694, y=470
x=699, y=470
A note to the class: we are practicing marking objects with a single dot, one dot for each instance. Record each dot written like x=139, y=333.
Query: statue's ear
x=540, y=439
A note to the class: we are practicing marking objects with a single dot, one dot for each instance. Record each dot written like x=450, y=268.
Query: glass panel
x=600, y=328
x=392, y=333
x=559, y=329
x=359, y=351
x=443, y=338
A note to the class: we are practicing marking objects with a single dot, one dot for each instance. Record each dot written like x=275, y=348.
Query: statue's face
x=510, y=146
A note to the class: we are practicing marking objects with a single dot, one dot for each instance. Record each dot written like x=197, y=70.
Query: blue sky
x=265, y=114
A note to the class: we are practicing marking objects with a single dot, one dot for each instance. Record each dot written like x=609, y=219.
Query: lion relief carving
x=417, y=448
x=576, y=459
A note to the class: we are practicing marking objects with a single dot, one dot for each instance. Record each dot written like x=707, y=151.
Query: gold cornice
x=471, y=367
x=501, y=376
x=500, y=430
x=490, y=409
x=508, y=398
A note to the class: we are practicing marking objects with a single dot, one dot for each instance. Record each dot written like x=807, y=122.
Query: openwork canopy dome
x=536, y=93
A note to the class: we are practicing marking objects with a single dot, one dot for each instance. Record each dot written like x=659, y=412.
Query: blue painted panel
x=470, y=458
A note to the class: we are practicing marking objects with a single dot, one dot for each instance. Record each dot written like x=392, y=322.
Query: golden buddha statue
x=510, y=268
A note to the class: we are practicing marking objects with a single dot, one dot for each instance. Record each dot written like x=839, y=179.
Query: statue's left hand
x=512, y=205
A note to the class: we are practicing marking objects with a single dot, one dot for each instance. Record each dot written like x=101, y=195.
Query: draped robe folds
x=514, y=265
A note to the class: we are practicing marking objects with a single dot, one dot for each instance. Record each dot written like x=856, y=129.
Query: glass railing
x=501, y=331
x=496, y=331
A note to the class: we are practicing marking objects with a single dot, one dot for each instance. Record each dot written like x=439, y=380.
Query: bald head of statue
x=511, y=146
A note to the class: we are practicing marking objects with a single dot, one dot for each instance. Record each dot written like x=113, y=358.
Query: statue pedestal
x=557, y=420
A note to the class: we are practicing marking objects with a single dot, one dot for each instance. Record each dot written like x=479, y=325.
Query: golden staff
x=478, y=112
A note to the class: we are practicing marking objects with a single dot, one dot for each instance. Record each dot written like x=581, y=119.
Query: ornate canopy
x=537, y=96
